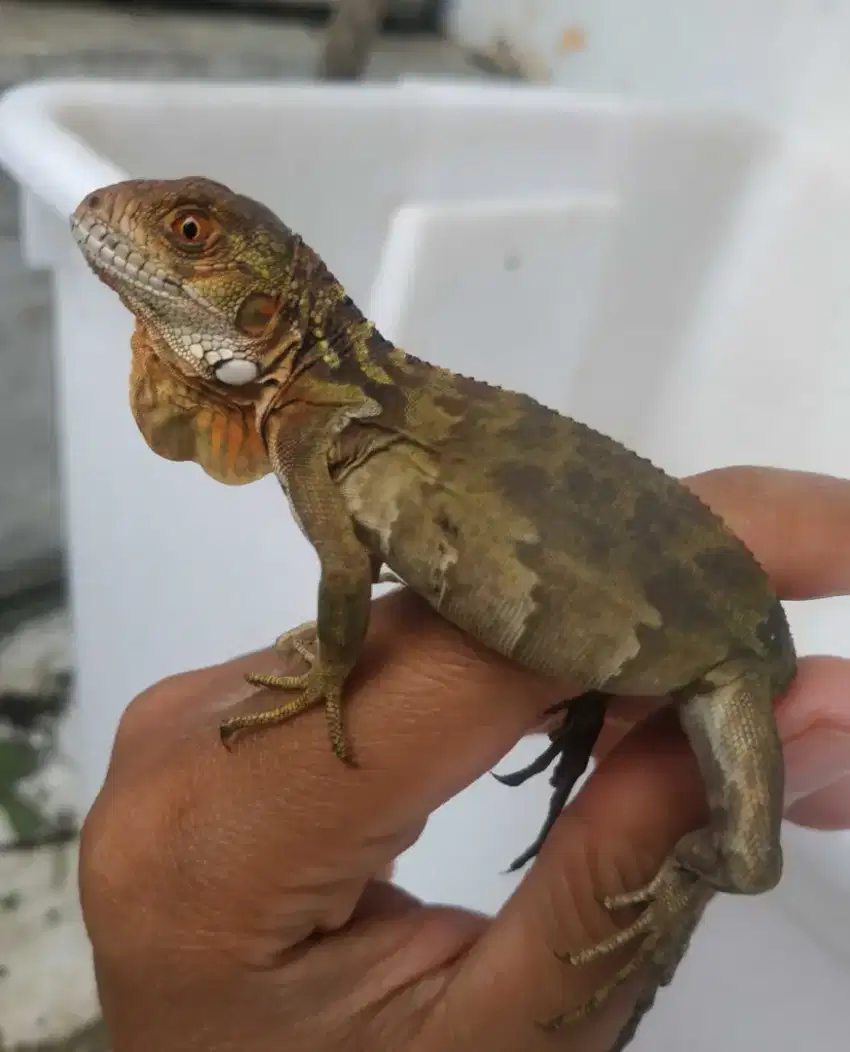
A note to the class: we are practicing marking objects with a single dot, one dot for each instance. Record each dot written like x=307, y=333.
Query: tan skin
x=238, y=900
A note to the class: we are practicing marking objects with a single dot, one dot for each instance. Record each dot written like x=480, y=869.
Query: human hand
x=239, y=899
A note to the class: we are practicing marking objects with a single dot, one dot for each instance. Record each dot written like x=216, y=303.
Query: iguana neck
x=338, y=342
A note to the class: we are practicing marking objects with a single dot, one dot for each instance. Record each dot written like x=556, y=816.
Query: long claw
x=674, y=900
x=278, y=714
x=573, y=742
x=272, y=682
x=597, y=999
x=614, y=942
x=537, y=766
x=314, y=688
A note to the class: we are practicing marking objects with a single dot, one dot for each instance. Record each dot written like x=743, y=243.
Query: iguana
x=543, y=539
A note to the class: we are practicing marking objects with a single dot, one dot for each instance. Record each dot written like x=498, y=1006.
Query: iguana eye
x=255, y=314
x=193, y=229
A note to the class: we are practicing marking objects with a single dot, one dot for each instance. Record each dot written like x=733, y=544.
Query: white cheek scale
x=236, y=372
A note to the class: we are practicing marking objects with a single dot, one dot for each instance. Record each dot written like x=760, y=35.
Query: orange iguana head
x=223, y=293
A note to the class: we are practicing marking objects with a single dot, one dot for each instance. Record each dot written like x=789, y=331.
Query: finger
x=645, y=795
x=796, y=522
x=426, y=713
x=827, y=809
x=623, y=715
x=386, y=872
x=814, y=721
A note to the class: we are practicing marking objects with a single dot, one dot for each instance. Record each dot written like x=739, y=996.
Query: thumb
x=612, y=838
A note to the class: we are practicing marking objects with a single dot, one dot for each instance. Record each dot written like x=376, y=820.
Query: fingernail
x=814, y=760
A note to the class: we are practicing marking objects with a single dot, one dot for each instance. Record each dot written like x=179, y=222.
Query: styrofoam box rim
x=31, y=126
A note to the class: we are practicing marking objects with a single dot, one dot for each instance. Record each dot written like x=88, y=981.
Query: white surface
x=532, y=268
x=667, y=243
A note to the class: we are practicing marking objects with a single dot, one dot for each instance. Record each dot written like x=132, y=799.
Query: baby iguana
x=546, y=541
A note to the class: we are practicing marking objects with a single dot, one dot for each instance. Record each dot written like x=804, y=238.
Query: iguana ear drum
x=256, y=315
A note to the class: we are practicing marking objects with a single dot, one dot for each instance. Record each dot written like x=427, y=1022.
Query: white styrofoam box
x=147, y=537
x=336, y=162
x=523, y=282
x=457, y=278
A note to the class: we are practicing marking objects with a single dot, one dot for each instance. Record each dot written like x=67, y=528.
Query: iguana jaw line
x=122, y=266
x=111, y=255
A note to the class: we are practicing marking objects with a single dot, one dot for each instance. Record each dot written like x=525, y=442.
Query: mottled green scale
x=556, y=545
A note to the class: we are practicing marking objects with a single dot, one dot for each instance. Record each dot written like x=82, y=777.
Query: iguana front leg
x=291, y=640
x=299, y=445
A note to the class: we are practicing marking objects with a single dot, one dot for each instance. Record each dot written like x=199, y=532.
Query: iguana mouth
x=111, y=255
x=120, y=265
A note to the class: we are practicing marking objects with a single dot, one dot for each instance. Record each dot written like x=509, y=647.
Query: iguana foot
x=314, y=687
x=291, y=641
x=674, y=901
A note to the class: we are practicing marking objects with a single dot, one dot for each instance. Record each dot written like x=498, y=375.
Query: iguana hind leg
x=728, y=718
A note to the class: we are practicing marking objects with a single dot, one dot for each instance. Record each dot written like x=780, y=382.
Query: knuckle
x=124, y=857
x=147, y=710
x=120, y=837
x=127, y=838
x=112, y=871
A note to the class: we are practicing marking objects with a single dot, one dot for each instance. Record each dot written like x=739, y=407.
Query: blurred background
x=698, y=236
